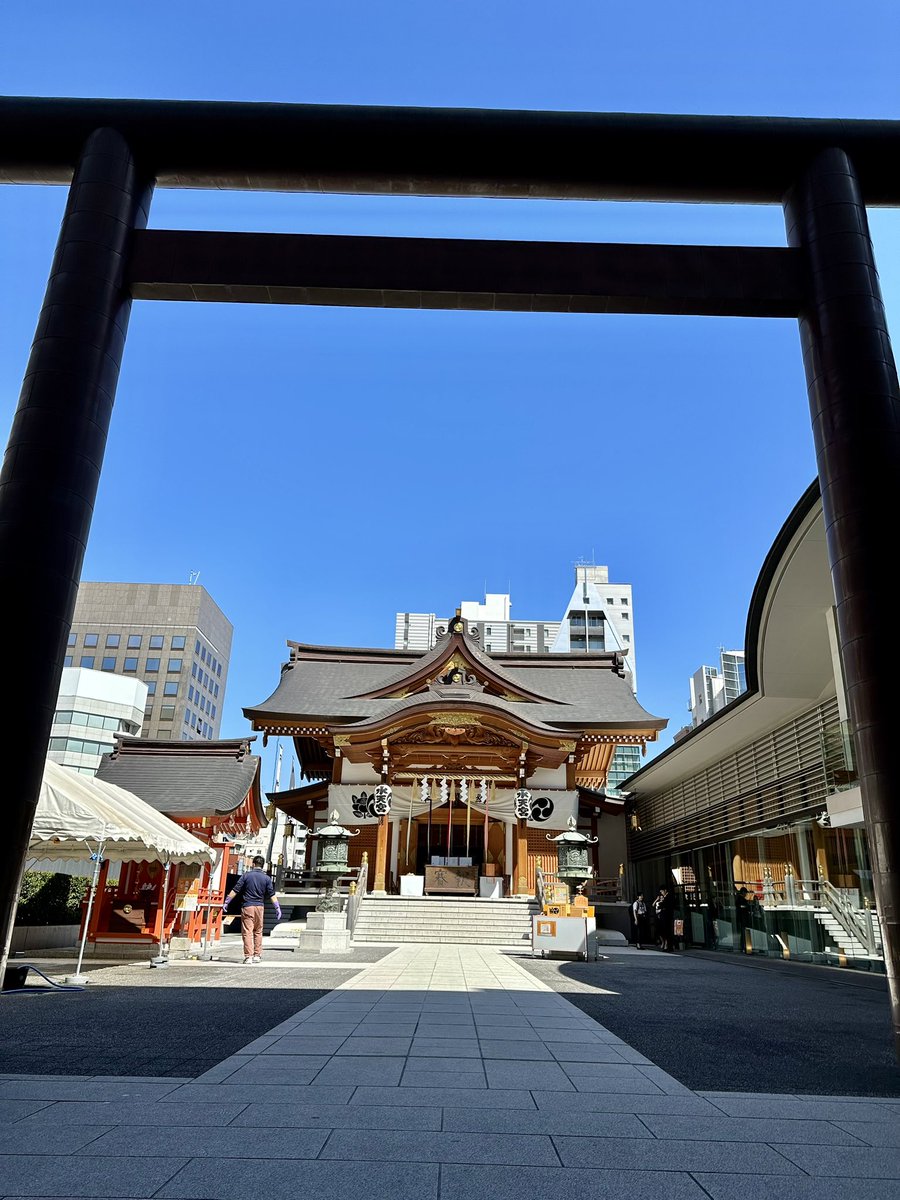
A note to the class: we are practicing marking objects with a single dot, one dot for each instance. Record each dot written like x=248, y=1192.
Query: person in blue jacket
x=255, y=888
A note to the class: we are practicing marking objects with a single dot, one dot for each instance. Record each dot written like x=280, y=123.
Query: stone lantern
x=326, y=928
x=331, y=860
x=572, y=854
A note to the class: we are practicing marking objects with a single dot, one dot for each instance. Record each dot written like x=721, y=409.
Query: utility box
x=561, y=935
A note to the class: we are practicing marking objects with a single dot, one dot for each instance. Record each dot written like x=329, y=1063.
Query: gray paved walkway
x=439, y=1073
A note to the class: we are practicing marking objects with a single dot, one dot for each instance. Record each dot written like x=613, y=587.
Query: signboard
x=458, y=880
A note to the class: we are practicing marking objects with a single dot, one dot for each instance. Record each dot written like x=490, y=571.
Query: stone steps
x=435, y=919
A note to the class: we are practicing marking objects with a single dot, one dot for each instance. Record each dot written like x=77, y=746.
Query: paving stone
x=287, y=1076
x=507, y=1033
x=609, y=1077
x=514, y=1120
x=462, y=1097
x=128, y=1140
x=35, y=1139
x=397, y=1146
x=338, y=1116
x=371, y=1047
x=744, y=1157
x=259, y=1045
x=338, y=1029
x=57, y=1175
x=821, y=1110
x=754, y=1129
x=548, y=1076
x=385, y=1028
x=537, y=1183
x=801, y=1187
x=624, y=1102
x=235, y=1179
x=443, y=1073
x=386, y=1071
x=875, y=1133
x=312, y=1044
x=466, y=1033
x=428, y=1047
x=107, y=1113
x=263, y=1093
x=15, y=1110
x=88, y=1089
x=853, y=1162
x=585, y=1052
x=515, y=1051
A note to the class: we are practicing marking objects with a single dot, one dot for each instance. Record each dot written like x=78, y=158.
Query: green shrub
x=49, y=899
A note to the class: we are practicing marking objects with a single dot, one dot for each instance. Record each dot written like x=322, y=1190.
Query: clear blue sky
x=335, y=465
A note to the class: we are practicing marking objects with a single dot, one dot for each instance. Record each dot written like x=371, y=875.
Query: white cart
x=562, y=935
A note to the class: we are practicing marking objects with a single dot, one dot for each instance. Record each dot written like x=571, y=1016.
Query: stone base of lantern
x=325, y=933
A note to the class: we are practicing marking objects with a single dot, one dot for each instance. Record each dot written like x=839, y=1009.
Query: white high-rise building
x=499, y=634
x=92, y=707
x=714, y=687
x=599, y=616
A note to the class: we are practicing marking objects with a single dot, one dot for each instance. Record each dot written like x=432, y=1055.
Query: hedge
x=50, y=899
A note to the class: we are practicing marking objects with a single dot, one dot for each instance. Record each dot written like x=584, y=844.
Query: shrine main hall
x=456, y=756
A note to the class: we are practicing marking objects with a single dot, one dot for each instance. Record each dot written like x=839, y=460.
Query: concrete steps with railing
x=839, y=938
x=445, y=919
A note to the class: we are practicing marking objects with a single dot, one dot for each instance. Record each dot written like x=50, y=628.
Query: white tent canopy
x=75, y=813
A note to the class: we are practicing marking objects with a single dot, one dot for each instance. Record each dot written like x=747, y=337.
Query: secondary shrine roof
x=197, y=779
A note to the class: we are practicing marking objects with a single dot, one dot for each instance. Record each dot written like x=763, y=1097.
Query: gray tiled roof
x=581, y=692
x=181, y=783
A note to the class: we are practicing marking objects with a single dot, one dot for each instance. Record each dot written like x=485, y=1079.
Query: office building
x=712, y=688
x=173, y=637
x=599, y=617
x=92, y=707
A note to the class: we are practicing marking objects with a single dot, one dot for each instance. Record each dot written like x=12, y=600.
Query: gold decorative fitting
x=342, y=739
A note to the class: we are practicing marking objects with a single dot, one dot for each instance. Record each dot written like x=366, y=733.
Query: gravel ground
x=723, y=1024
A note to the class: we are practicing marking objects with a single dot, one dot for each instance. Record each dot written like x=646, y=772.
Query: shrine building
x=456, y=758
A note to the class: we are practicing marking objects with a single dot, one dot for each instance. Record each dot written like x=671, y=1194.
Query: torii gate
x=113, y=152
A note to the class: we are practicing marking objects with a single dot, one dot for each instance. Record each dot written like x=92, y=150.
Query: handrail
x=355, y=898
x=821, y=893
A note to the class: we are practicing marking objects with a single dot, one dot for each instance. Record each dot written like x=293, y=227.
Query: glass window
x=112, y=641
x=625, y=637
x=95, y=721
x=108, y=664
x=213, y=666
x=177, y=643
x=130, y=664
x=67, y=661
x=216, y=690
x=171, y=689
x=624, y=600
x=134, y=641
x=57, y=743
x=167, y=712
x=62, y=716
x=197, y=648
x=79, y=718
x=174, y=664
x=205, y=680
x=152, y=665
x=219, y=670
x=73, y=639
x=91, y=639
x=194, y=670
x=87, y=660
x=610, y=599
x=623, y=616
x=214, y=708
x=151, y=687
x=193, y=720
x=156, y=642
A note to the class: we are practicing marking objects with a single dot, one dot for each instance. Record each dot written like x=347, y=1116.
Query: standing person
x=254, y=887
x=639, y=916
x=664, y=907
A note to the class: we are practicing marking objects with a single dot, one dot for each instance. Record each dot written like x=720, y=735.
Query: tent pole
x=98, y=862
x=162, y=959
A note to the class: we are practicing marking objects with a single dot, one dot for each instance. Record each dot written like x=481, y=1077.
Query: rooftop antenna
x=194, y=577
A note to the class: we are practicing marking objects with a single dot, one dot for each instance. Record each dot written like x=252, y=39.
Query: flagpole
x=275, y=782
